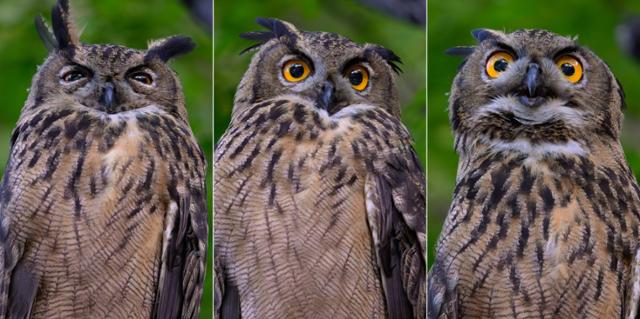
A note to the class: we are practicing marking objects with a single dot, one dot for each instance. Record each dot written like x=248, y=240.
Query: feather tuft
x=168, y=48
x=460, y=51
x=63, y=27
x=483, y=34
x=277, y=29
x=45, y=34
x=391, y=58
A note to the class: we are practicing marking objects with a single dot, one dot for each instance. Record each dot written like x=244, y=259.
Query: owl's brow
x=564, y=51
x=352, y=61
x=78, y=65
x=505, y=47
x=138, y=67
x=295, y=51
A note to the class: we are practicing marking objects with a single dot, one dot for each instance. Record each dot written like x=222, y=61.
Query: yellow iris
x=296, y=70
x=497, y=63
x=358, y=76
x=570, y=67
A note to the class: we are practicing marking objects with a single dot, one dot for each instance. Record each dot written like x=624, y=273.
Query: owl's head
x=533, y=89
x=107, y=78
x=327, y=69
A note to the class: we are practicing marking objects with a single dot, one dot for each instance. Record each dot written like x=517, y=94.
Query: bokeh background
x=130, y=23
x=354, y=19
x=450, y=23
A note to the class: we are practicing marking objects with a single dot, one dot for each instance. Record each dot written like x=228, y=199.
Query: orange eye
x=358, y=76
x=497, y=63
x=296, y=70
x=570, y=67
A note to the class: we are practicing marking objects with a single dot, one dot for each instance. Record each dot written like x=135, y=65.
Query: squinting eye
x=497, y=63
x=570, y=67
x=142, y=77
x=358, y=76
x=73, y=76
x=296, y=70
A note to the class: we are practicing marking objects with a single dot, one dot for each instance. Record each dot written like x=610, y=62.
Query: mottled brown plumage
x=319, y=196
x=103, y=199
x=544, y=220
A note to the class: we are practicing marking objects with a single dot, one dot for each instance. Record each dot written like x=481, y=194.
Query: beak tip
x=327, y=95
x=108, y=94
x=533, y=71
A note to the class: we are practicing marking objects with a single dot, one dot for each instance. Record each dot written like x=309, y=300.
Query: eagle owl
x=102, y=204
x=545, y=213
x=319, y=195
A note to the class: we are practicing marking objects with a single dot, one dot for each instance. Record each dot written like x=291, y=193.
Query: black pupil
x=296, y=70
x=355, y=77
x=568, y=69
x=500, y=65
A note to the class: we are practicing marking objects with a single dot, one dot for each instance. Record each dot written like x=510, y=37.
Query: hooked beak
x=326, y=97
x=533, y=72
x=108, y=96
x=531, y=81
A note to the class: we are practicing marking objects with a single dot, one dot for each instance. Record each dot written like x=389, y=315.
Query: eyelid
x=357, y=61
x=352, y=62
x=296, y=56
x=507, y=48
x=572, y=50
x=141, y=68
x=74, y=66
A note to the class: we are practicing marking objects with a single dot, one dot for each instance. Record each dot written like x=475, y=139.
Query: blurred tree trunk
x=413, y=11
x=201, y=11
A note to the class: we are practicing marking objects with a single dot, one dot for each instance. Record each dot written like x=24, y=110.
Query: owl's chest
x=306, y=188
x=297, y=213
x=105, y=173
x=322, y=173
x=85, y=202
x=284, y=168
x=518, y=229
x=118, y=157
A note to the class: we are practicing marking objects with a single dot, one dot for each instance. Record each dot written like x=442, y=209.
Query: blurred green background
x=348, y=18
x=450, y=23
x=129, y=23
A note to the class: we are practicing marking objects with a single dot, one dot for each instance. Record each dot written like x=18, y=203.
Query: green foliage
x=348, y=18
x=130, y=23
x=450, y=23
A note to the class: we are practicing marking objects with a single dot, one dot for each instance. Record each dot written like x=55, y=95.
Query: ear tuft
x=483, y=34
x=277, y=28
x=63, y=28
x=168, y=48
x=45, y=34
x=460, y=51
x=391, y=58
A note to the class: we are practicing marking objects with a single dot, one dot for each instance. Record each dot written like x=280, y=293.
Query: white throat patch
x=538, y=150
x=554, y=109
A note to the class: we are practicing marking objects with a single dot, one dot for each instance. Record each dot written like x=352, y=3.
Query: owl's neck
x=600, y=153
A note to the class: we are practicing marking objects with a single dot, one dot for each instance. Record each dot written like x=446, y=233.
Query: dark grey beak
x=533, y=73
x=326, y=97
x=108, y=95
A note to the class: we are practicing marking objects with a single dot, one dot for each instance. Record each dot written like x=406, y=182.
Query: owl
x=545, y=215
x=102, y=203
x=319, y=195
